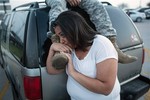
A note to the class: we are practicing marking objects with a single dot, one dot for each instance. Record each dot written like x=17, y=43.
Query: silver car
x=24, y=49
x=136, y=16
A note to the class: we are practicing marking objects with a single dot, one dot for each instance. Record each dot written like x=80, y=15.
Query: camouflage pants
x=95, y=9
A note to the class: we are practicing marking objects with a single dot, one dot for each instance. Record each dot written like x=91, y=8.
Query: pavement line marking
x=147, y=56
x=147, y=51
x=4, y=89
x=147, y=96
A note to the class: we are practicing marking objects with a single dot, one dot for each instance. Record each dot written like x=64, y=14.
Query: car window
x=6, y=19
x=127, y=35
x=4, y=25
x=132, y=13
x=16, y=40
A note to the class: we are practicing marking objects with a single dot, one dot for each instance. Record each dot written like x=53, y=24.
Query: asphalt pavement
x=144, y=29
x=5, y=89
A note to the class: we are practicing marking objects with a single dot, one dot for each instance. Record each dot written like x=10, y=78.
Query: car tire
x=138, y=19
x=147, y=17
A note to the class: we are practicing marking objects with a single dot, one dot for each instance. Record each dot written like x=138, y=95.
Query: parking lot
x=5, y=89
x=144, y=28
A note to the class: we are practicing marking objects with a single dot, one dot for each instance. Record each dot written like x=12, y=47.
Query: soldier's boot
x=59, y=60
x=122, y=57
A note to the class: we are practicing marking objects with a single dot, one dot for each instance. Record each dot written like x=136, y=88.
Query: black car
x=147, y=13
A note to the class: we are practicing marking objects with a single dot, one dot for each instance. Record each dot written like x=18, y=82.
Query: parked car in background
x=136, y=16
x=143, y=10
x=24, y=49
x=147, y=13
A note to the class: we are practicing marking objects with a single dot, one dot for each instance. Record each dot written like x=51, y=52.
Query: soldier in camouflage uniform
x=98, y=15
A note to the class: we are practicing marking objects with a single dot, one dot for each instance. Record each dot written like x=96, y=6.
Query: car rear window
x=127, y=34
x=17, y=33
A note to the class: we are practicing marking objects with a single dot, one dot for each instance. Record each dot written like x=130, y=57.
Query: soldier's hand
x=74, y=2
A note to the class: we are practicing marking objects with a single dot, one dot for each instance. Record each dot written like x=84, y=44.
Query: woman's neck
x=81, y=54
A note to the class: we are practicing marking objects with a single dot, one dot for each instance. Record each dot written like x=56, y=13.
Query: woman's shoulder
x=102, y=42
x=101, y=38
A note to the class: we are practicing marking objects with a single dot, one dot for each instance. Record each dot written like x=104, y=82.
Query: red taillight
x=32, y=87
x=143, y=58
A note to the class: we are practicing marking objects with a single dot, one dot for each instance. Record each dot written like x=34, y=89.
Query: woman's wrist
x=73, y=72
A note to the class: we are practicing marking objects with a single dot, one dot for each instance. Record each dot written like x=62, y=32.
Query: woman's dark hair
x=76, y=30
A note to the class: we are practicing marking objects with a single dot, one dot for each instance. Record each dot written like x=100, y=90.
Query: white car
x=145, y=10
x=147, y=13
x=136, y=16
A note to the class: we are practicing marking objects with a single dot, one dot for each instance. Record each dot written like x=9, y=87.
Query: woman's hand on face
x=58, y=47
x=74, y=2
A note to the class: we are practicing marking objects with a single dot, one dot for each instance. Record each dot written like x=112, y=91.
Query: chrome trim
x=132, y=48
x=30, y=72
x=122, y=83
